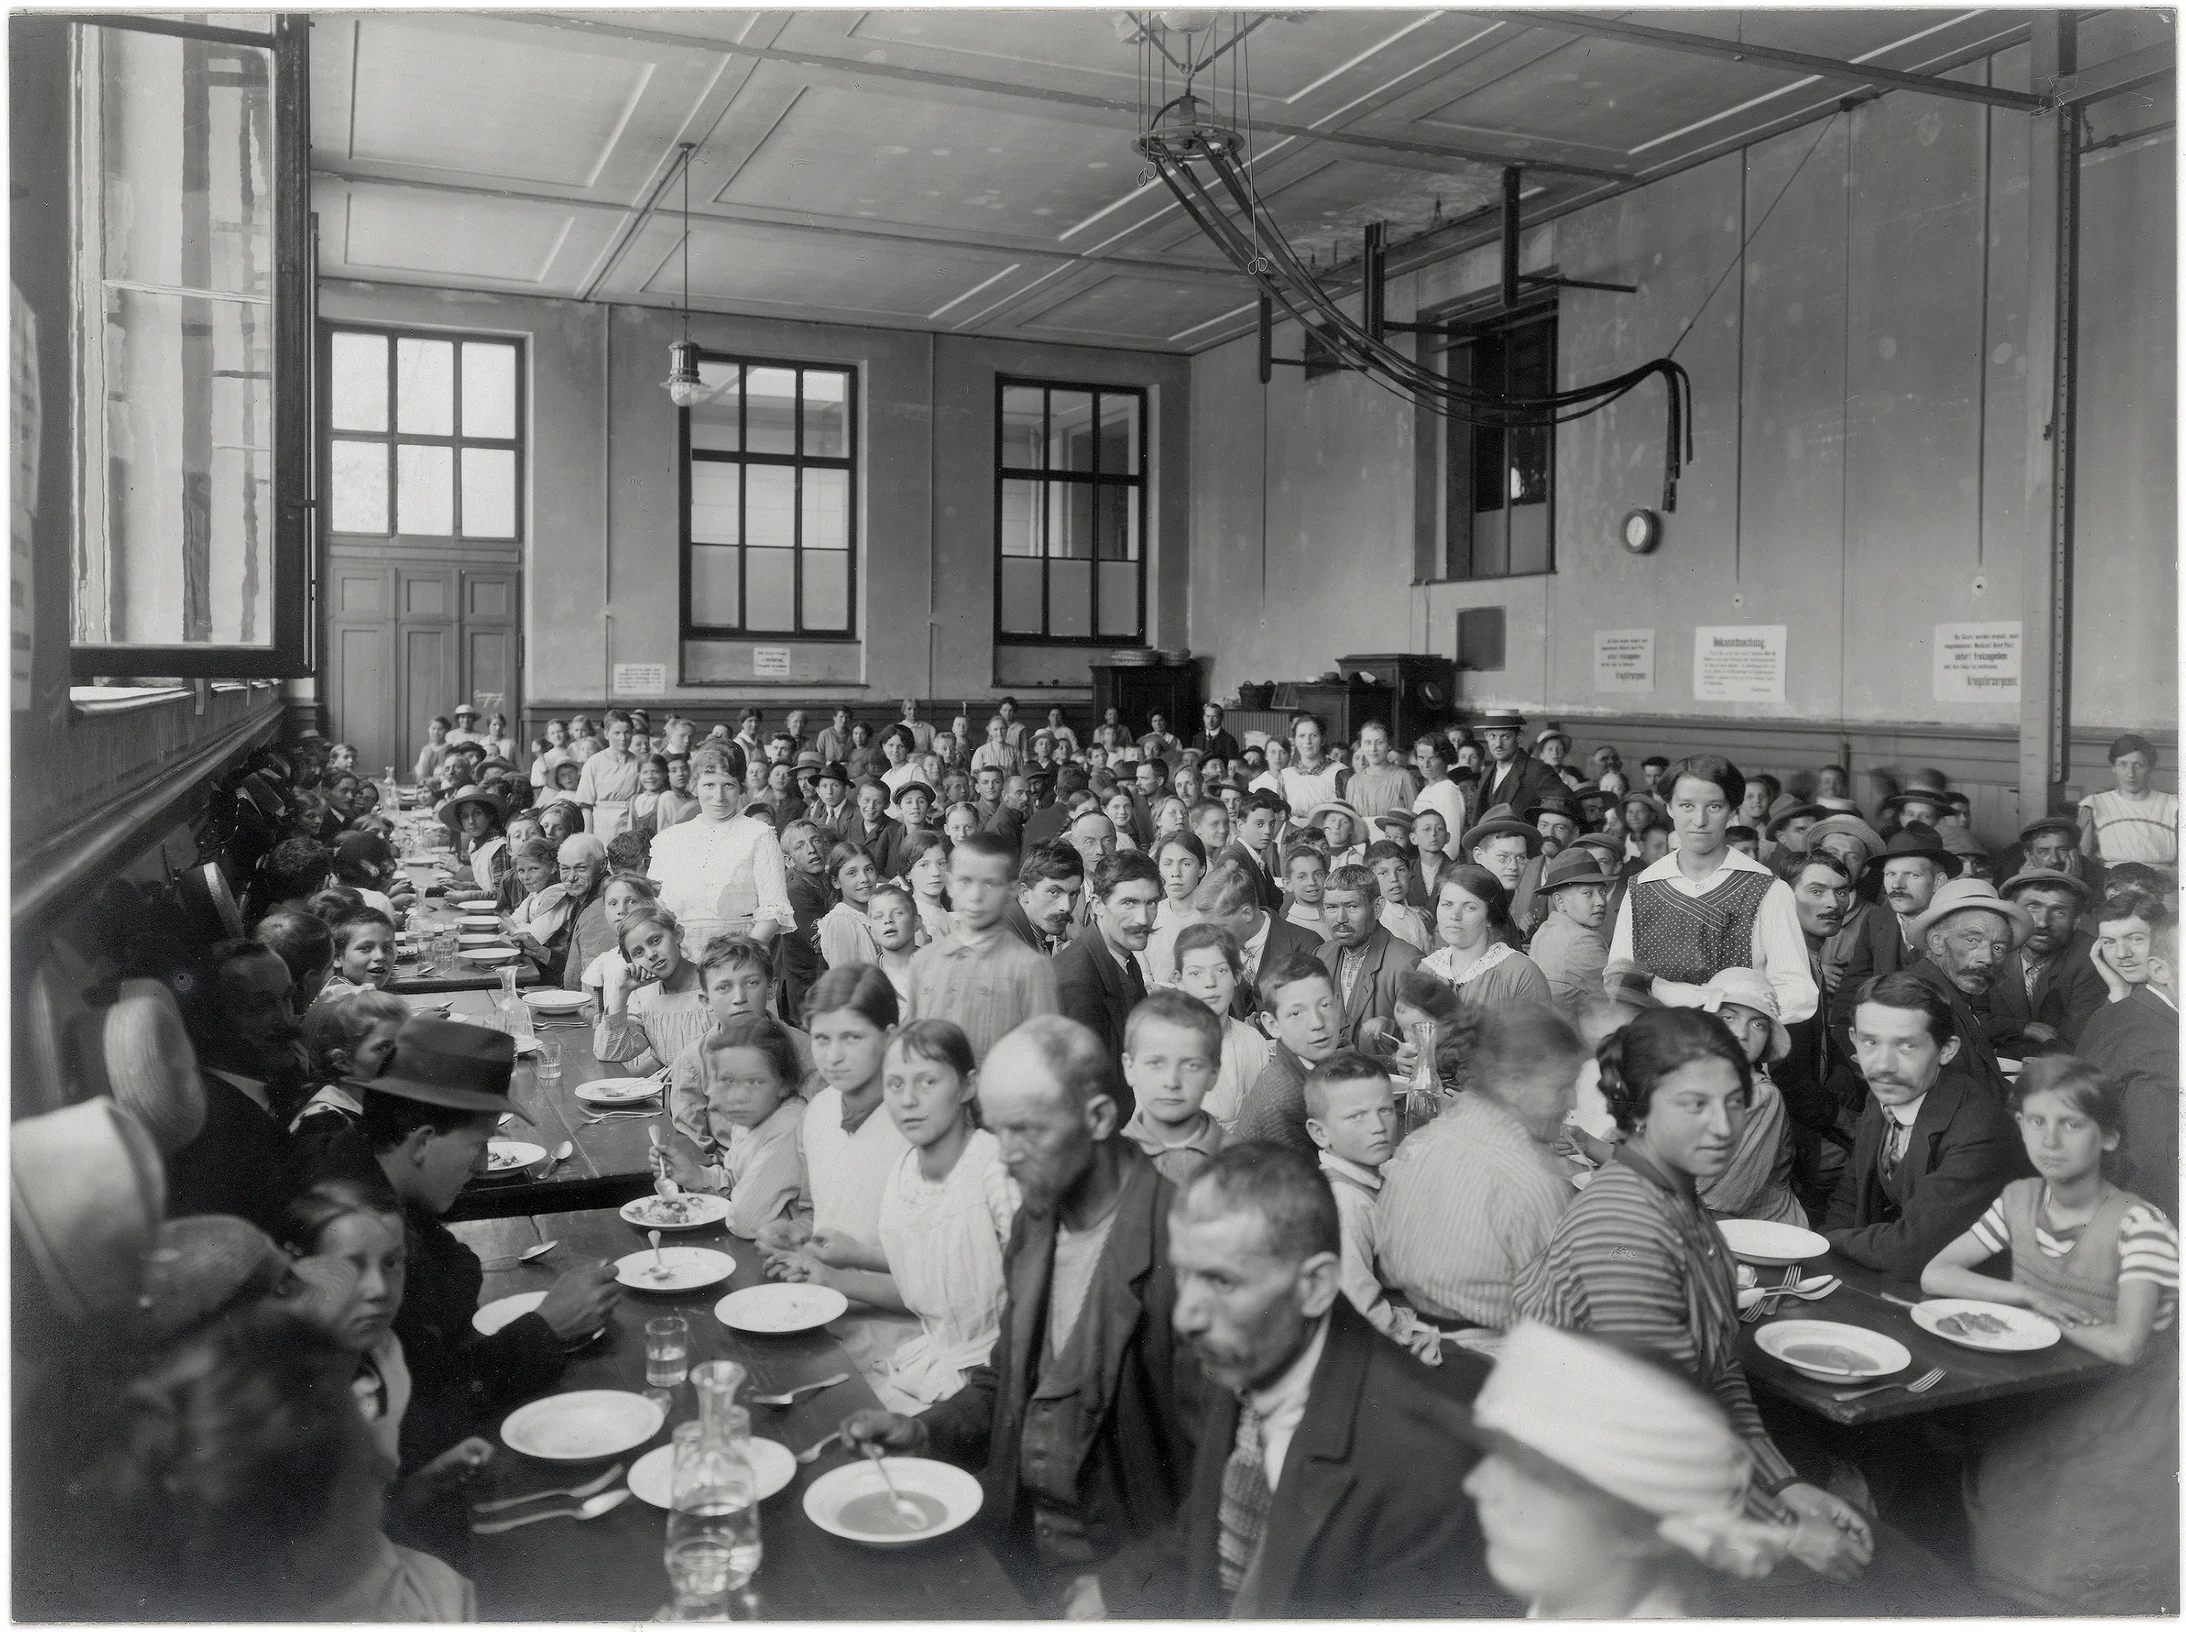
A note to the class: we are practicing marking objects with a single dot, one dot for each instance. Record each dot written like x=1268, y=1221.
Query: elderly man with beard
x=2042, y=999
x=1966, y=937
x=1328, y=1481
x=1080, y=1425
x=582, y=859
x=1907, y=870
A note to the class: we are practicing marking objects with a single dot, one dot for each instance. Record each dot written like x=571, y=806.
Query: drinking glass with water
x=667, y=1351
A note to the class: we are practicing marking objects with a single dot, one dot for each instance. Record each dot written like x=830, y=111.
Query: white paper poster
x=772, y=660
x=1977, y=663
x=640, y=679
x=1624, y=660
x=1739, y=663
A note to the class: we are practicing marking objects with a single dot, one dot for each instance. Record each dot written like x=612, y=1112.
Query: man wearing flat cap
x=2042, y=998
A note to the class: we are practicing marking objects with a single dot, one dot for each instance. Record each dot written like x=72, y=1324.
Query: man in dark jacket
x=1367, y=963
x=1097, y=977
x=2134, y=1043
x=1080, y=1424
x=797, y=960
x=1900, y=881
x=1934, y=1147
x=2042, y=999
x=1049, y=884
x=1328, y=1483
x=1511, y=776
x=237, y=1005
x=1252, y=848
x=1968, y=936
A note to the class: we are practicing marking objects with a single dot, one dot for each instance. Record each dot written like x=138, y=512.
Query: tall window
x=1070, y=513
x=192, y=342
x=1500, y=494
x=770, y=513
x=424, y=435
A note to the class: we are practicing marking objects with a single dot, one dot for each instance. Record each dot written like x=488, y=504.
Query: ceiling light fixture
x=683, y=383
x=1207, y=166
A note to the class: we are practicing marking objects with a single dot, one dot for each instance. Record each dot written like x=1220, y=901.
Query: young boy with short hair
x=737, y=975
x=1391, y=865
x=1298, y=995
x=982, y=976
x=1172, y=1048
x=1305, y=876
x=891, y=918
x=1351, y=1114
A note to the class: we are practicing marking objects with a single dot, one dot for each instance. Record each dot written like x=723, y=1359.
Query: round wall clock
x=1642, y=531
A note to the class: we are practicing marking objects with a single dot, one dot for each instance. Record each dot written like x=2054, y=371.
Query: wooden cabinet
x=1135, y=692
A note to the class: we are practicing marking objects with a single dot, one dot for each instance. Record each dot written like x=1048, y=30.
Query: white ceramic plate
x=682, y=1269
x=1778, y=1245
x=478, y=920
x=840, y=1498
x=652, y=1473
x=497, y=1314
x=781, y=1306
x=582, y=1427
x=548, y=1001
x=618, y=1090
x=1833, y=1351
x=471, y=937
x=692, y=1210
x=489, y=954
x=1997, y=1327
x=506, y=1157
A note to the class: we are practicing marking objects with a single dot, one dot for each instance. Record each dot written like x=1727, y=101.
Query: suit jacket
x=1368, y=1519
x=1880, y=950
x=1269, y=886
x=797, y=960
x=2135, y=1045
x=1015, y=921
x=1963, y=1150
x=1092, y=989
x=1388, y=961
x=1520, y=785
x=1975, y=1055
x=1046, y=824
x=2065, y=995
x=1002, y=820
x=236, y=1163
x=1284, y=939
x=1129, y=1440
x=837, y=824
x=875, y=838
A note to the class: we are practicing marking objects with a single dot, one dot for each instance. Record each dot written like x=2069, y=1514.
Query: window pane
x=713, y=503
x=425, y=387
x=186, y=551
x=1490, y=483
x=713, y=416
x=170, y=109
x=827, y=590
x=1491, y=543
x=770, y=410
x=770, y=508
x=489, y=390
x=424, y=490
x=1529, y=538
x=827, y=413
x=1021, y=410
x=357, y=382
x=1119, y=436
x=769, y=579
x=1020, y=518
x=489, y=492
x=1070, y=598
x=1070, y=430
x=1120, y=598
x=357, y=475
x=713, y=587
x=1069, y=519
x=1119, y=523
x=827, y=510
x=1020, y=596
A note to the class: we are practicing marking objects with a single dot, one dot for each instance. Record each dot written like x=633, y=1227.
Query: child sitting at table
x=737, y=975
x=2073, y=1497
x=1305, y=876
x=347, y=1037
x=844, y=935
x=1351, y=1114
x=1391, y=865
x=365, y=862
x=1172, y=1050
x=334, y=903
x=651, y=1007
x=622, y=892
x=1757, y=1182
x=364, y=953
x=891, y=919
x=744, y=1143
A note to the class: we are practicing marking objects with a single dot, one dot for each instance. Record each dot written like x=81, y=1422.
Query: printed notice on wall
x=1624, y=660
x=640, y=679
x=1977, y=663
x=1739, y=663
x=772, y=660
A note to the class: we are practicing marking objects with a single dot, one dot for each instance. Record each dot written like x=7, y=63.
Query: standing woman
x=1637, y=1259
x=1472, y=915
x=721, y=872
x=476, y=816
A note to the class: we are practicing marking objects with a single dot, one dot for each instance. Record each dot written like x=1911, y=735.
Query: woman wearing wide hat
x=476, y=816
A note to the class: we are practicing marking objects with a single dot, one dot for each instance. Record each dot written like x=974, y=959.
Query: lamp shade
x=682, y=381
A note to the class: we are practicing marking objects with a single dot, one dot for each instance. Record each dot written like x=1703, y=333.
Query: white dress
x=943, y=1240
x=718, y=878
x=1245, y=1054
x=654, y=1028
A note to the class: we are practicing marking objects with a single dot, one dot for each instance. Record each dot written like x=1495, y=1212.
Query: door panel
x=408, y=639
x=490, y=641
x=360, y=685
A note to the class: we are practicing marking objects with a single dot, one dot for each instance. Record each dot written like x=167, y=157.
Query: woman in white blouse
x=721, y=873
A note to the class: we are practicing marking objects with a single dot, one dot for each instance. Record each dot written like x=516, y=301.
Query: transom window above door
x=424, y=435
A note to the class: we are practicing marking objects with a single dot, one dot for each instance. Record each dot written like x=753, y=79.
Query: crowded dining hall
x=955, y=814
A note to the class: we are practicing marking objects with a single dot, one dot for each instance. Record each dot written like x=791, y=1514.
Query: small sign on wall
x=770, y=660
x=1977, y=663
x=1624, y=660
x=640, y=679
x=1739, y=663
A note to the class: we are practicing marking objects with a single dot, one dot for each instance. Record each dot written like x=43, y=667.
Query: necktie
x=1893, y=1147
x=1133, y=981
x=1243, y=1515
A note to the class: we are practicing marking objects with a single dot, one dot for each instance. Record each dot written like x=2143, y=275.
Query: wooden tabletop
x=610, y=1568
x=1970, y=1375
x=430, y=911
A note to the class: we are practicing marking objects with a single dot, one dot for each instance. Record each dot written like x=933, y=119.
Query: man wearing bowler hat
x=1572, y=946
x=427, y=1117
x=1900, y=880
x=1511, y=776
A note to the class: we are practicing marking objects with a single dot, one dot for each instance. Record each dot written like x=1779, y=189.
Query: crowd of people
x=1301, y=1160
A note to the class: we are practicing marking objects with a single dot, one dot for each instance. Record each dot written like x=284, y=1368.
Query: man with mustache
x=1905, y=873
x=1045, y=906
x=1933, y=1147
x=2042, y=999
x=1967, y=936
x=237, y=1003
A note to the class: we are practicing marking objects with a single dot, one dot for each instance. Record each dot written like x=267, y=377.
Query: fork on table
x=1919, y=1385
x=1765, y=1305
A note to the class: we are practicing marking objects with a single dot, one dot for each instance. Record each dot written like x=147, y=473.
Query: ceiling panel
x=495, y=240
x=1134, y=309
x=741, y=265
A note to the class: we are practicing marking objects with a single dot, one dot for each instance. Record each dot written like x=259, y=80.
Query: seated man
x=1968, y=934
x=2135, y=1044
x=237, y=1001
x=1933, y=1147
x=1368, y=962
x=1328, y=1477
x=1904, y=876
x=2042, y=999
x=1572, y=944
x=1048, y=885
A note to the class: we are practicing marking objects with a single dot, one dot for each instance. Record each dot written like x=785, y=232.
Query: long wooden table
x=610, y=1569
x=1970, y=1376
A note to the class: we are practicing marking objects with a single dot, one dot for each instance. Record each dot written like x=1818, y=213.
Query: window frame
x=797, y=461
x=288, y=655
x=1500, y=326
x=1095, y=479
x=392, y=438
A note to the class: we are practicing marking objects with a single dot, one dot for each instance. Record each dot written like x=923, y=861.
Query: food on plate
x=876, y=1514
x=1973, y=1323
x=675, y=1209
x=1826, y=1357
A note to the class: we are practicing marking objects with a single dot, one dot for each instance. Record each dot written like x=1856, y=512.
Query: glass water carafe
x=713, y=1546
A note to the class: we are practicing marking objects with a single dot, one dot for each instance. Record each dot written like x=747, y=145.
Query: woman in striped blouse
x=1637, y=1257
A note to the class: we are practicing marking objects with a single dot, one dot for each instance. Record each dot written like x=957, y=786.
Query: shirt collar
x=249, y=1087
x=1291, y=1388
x=1733, y=861
x=1259, y=942
x=1905, y=1115
x=1144, y=1130
x=1358, y=1173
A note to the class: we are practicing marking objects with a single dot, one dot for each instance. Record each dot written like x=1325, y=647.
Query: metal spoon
x=904, y=1510
x=524, y=1257
x=562, y=1153
x=659, y=1271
